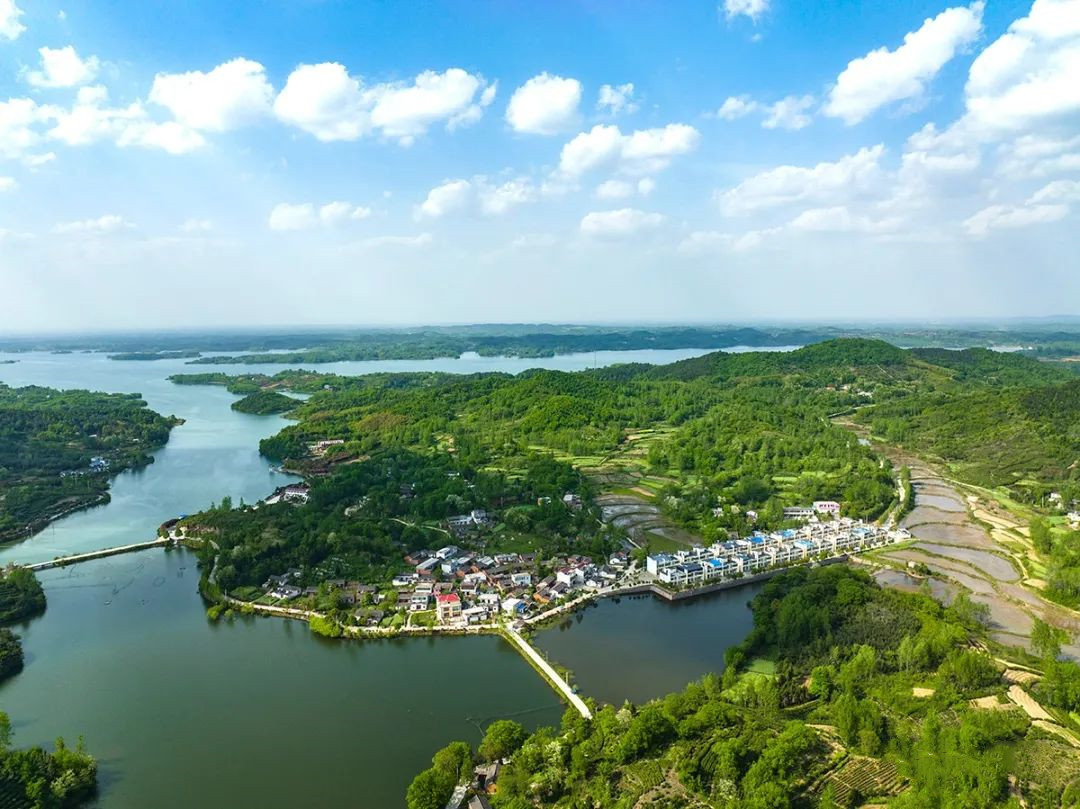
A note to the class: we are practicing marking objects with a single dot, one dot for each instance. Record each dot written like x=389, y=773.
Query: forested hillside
x=49, y=441
x=742, y=431
x=871, y=701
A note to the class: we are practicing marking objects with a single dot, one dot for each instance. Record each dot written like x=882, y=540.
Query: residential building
x=448, y=608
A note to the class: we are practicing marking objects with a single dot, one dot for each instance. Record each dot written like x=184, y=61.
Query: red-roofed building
x=448, y=608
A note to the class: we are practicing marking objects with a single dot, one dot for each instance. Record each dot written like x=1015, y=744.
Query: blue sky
x=302, y=162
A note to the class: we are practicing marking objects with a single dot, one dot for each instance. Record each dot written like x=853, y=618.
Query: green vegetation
x=705, y=441
x=38, y=779
x=839, y=723
x=11, y=654
x=48, y=440
x=1024, y=437
x=21, y=595
x=359, y=522
x=150, y=356
x=264, y=403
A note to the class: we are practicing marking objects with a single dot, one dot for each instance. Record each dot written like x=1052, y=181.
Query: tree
x=503, y=738
x=427, y=791
x=1046, y=640
x=5, y=731
x=1040, y=536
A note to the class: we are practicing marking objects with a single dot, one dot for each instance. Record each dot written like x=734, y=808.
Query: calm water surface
x=641, y=648
x=259, y=712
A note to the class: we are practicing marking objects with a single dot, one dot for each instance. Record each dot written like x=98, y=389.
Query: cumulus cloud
x=620, y=223
x=63, y=67
x=108, y=223
x=476, y=195
x=1030, y=75
x=10, y=27
x=838, y=219
x=301, y=216
x=616, y=99
x=328, y=103
x=747, y=8
x=788, y=113
x=233, y=94
x=1057, y=191
x=8, y=184
x=545, y=105
x=641, y=152
x=450, y=197
x=784, y=185
x=621, y=189
x=1003, y=216
x=736, y=107
x=883, y=76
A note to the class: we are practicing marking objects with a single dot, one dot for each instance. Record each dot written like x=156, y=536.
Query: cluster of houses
x=295, y=493
x=474, y=587
x=463, y=523
x=97, y=464
x=739, y=557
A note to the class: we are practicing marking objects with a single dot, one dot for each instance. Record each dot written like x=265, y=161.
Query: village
x=454, y=587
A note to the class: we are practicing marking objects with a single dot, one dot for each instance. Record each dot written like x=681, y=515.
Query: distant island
x=265, y=402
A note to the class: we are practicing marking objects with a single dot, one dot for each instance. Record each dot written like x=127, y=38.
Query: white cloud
x=301, y=216
x=1038, y=155
x=619, y=223
x=169, y=136
x=544, y=105
x=616, y=99
x=233, y=94
x=783, y=185
x=748, y=8
x=621, y=189
x=883, y=76
x=325, y=101
x=289, y=216
x=788, y=113
x=418, y=240
x=839, y=219
x=108, y=223
x=404, y=111
x=1030, y=75
x=197, y=226
x=1057, y=191
x=333, y=213
x=8, y=184
x=476, y=195
x=33, y=161
x=1003, y=216
x=62, y=67
x=641, y=152
x=452, y=196
x=736, y=107
x=10, y=27
x=19, y=118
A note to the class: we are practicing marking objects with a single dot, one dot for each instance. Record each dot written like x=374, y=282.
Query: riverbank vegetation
x=21, y=595
x=58, y=450
x=11, y=654
x=38, y=779
x=876, y=697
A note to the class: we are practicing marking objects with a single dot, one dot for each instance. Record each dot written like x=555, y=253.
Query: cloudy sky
x=321, y=161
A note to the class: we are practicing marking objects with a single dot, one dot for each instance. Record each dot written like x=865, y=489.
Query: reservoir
x=641, y=647
x=259, y=712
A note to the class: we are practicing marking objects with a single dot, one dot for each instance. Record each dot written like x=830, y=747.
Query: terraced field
x=860, y=779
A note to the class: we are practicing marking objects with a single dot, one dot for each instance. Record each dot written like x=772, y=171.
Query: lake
x=641, y=647
x=259, y=712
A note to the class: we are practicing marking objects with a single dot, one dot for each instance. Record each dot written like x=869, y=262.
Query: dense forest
x=1026, y=438
x=265, y=403
x=36, y=778
x=856, y=695
x=49, y=441
x=21, y=595
x=359, y=522
x=750, y=431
